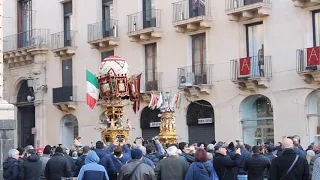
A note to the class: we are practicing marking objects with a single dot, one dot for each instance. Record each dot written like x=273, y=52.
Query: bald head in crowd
x=287, y=143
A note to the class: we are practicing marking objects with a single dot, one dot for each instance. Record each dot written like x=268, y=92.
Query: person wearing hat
x=58, y=166
x=135, y=169
x=223, y=164
x=99, y=149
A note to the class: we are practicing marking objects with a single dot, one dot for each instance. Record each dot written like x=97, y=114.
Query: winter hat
x=210, y=147
x=58, y=150
x=231, y=146
x=99, y=145
x=78, y=137
x=136, y=153
x=218, y=145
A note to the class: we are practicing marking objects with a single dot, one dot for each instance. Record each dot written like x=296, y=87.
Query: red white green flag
x=92, y=89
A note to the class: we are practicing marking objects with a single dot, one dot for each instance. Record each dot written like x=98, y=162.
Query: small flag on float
x=160, y=101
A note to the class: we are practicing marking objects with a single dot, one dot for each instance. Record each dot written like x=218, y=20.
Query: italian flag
x=92, y=89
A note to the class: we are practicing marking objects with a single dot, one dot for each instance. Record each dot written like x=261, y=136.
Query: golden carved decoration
x=167, y=128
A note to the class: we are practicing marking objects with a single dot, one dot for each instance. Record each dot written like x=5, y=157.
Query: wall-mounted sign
x=155, y=124
x=205, y=121
x=33, y=130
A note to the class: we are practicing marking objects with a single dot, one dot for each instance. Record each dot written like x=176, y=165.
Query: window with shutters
x=67, y=12
x=151, y=67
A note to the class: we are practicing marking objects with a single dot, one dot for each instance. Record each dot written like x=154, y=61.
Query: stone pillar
x=7, y=122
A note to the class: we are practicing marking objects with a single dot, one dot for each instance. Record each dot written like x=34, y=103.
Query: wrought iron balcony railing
x=144, y=19
x=251, y=67
x=308, y=59
x=151, y=81
x=183, y=10
x=102, y=29
x=32, y=38
x=234, y=4
x=63, y=39
x=63, y=94
x=199, y=74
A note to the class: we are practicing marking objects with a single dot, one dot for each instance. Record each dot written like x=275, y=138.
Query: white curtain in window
x=255, y=40
x=317, y=28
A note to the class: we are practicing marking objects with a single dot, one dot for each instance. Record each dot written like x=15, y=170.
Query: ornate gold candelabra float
x=115, y=86
x=167, y=105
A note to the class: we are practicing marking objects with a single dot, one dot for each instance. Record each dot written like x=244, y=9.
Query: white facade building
x=243, y=66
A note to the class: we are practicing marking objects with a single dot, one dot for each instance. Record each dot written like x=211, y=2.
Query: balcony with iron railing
x=20, y=48
x=145, y=25
x=238, y=10
x=63, y=43
x=196, y=79
x=308, y=64
x=305, y=3
x=251, y=73
x=103, y=34
x=191, y=16
x=64, y=97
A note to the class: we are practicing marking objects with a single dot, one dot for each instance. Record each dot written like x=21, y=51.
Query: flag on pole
x=160, y=101
x=92, y=89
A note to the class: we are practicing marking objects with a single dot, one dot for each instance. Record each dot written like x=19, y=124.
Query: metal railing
x=63, y=39
x=144, y=19
x=234, y=4
x=303, y=64
x=256, y=68
x=32, y=38
x=198, y=74
x=184, y=9
x=103, y=29
x=64, y=94
x=151, y=81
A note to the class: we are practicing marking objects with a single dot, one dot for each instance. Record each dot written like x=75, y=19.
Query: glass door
x=255, y=40
x=106, y=19
x=67, y=36
x=199, y=58
x=147, y=14
x=150, y=67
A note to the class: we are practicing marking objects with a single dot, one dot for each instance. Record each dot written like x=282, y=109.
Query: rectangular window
x=255, y=49
x=67, y=12
x=106, y=16
x=106, y=54
x=316, y=27
x=248, y=2
x=151, y=66
x=148, y=21
x=67, y=72
x=198, y=54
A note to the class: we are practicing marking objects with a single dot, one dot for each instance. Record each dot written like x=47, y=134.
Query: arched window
x=69, y=129
x=200, y=121
x=313, y=115
x=257, y=120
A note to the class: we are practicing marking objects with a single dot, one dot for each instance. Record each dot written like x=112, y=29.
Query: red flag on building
x=313, y=55
x=244, y=69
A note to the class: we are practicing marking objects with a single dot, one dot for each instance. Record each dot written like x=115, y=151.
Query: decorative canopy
x=114, y=66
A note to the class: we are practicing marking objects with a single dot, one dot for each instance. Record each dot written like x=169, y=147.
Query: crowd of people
x=150, y=160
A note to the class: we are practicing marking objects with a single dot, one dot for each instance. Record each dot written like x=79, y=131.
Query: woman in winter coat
x=200, y=169
x=223, y=163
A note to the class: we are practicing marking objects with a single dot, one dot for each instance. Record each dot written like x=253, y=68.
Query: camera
x=120, y=139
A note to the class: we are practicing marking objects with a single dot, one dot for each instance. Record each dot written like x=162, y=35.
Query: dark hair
x=31, y=151
x=213, y=142
x=150, y=148
x=47, y=149
x=168, y=145
x=129, y=145
x=256, y=149
x=182, y=145
x=248, y=147
x=199, y=144
x=70, y=152
x=85, y=150
x=269, y=149
x=117, y=151
x=201, y=155
x=21, y=150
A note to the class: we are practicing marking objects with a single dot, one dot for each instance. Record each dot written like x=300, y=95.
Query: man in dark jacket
x=183, y=146
x=71, y=162
x=256, y=165
x=280, y=166
x=31, y=169
x=99, y=149
x=58, y=166
x=242, y=174
x=11, y=168
x=223, y=164
x=81, y=160
x=92, y=170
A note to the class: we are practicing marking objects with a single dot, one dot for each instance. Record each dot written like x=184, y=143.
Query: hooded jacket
x=92, y=170
x=57, y=167
x=31, y=169
x=11, y=169
x=199, y=171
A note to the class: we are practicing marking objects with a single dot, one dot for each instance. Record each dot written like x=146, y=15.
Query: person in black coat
x=280, y=165
x=223, y=164
x=31, y=169
x=256, y=165
x=58, y=166
x=11, y=167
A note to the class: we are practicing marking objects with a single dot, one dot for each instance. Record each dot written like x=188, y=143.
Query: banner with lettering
x=244, y=69
x=313, y=55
